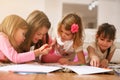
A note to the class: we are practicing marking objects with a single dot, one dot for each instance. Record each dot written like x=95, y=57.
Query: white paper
x=87, y=69
x=29, y=68
x=33, y=68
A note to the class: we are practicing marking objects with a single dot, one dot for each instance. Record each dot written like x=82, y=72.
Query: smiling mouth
x=104, y=46
x=35, y=41
x=62, y=39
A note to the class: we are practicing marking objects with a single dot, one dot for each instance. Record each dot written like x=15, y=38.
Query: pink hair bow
x=74, y=28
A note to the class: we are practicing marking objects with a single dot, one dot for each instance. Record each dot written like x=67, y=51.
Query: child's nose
x=104, y=42
x=63, y=35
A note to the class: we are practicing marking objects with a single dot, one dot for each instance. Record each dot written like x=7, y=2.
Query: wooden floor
x=57, y=76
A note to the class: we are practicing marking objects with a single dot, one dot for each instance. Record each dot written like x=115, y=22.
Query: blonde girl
x=101, y=51
x=12, y=33
x=70, y=31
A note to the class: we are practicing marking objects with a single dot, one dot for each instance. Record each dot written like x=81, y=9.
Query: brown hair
x=37, y=19
x=107, y=31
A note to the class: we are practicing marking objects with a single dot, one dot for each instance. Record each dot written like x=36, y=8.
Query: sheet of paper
x=37, y=68
x=114, y=66
x=30, y=68
x=87, y=69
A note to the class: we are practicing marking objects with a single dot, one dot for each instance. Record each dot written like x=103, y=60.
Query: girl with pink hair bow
x=70, y=33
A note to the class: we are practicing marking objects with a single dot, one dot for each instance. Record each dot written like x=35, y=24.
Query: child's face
x=39, y=34
x=20, y=36
x=104, y=43
x=65, y=34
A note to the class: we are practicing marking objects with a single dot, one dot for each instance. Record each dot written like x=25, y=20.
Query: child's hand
x=45, y=49
x=63, y=61
x=104, y=63
x=54, y=42
x=4, y=59
x=56, y=46
x=95, y=61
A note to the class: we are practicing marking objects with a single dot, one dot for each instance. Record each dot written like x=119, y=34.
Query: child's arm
x=67, y=61
x=104, y=63
x=12, y=55
x=15, y=57
x=42, y=50
x=94, y=59
x=81, y=58
x=110, y=55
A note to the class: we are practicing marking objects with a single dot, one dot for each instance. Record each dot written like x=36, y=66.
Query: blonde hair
x=67, y=22
x=10, y=25
x=37, y=19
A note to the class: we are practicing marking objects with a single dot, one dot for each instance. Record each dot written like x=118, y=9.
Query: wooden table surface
x=57, y=76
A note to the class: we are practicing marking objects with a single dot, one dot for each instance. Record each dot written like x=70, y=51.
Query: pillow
x=116, y=56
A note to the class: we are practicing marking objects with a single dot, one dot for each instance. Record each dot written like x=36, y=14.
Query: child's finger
x=53, y=42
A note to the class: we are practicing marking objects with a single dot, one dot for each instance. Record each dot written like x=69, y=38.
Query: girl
x=12, y=34
x=37, y=34
x=101, y=51
x=70, y=31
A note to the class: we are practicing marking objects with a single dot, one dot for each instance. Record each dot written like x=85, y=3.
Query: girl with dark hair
x=101, y=51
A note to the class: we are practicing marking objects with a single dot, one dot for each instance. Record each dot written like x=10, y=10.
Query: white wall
x=108, y=11
x=20, y=7
x=77, y=1
x=53, y=9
